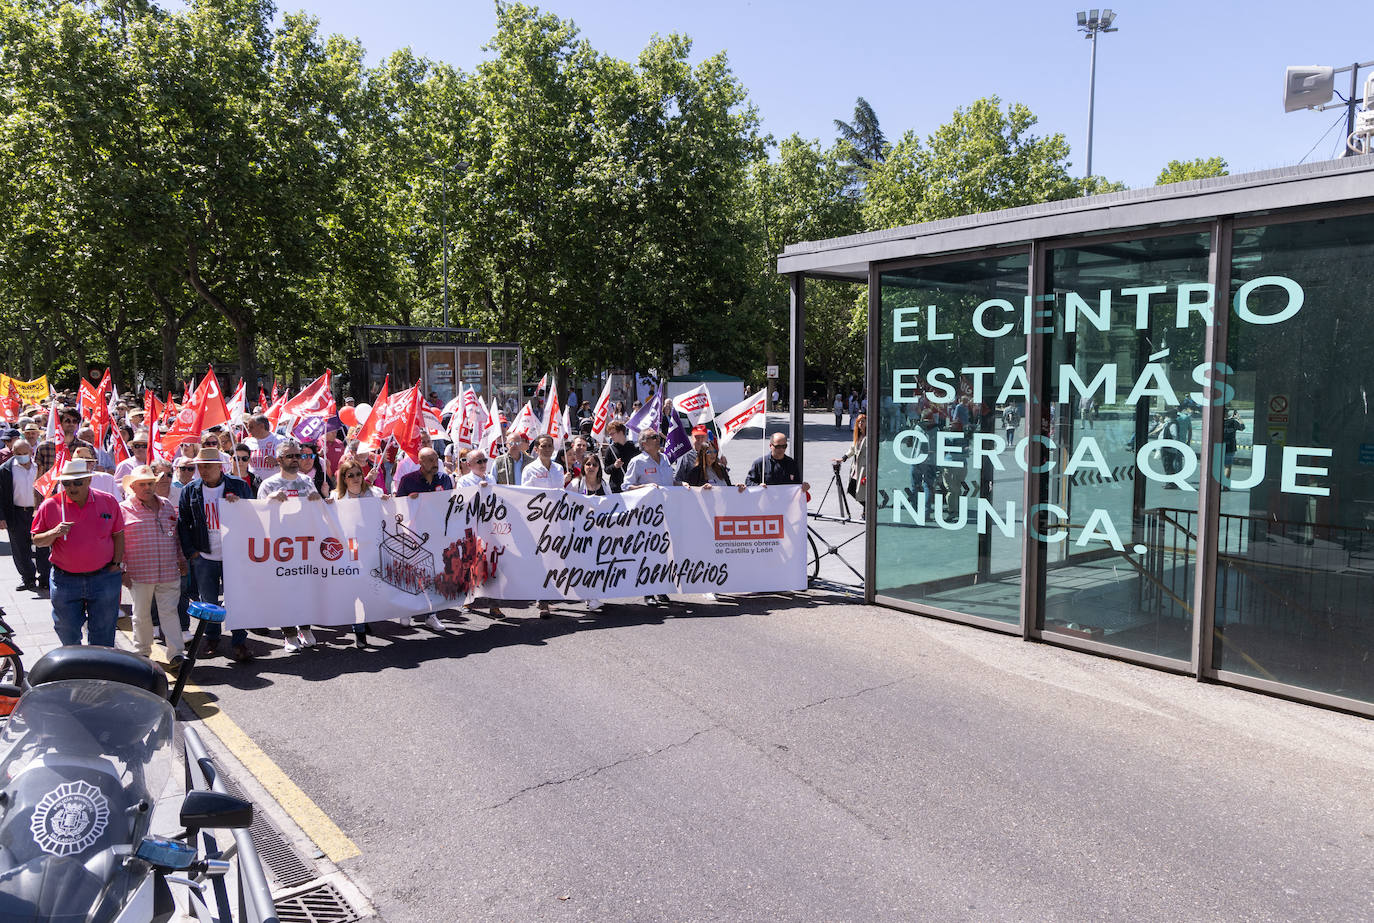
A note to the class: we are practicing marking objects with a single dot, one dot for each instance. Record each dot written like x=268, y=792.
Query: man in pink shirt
x=84, y=529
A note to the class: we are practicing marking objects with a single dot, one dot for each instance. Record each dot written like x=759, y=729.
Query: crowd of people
x=84, y=526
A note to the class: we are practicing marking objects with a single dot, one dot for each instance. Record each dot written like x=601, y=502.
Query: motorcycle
x=84, y=758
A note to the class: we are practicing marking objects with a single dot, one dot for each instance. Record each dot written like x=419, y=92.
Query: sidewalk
x=30, y=616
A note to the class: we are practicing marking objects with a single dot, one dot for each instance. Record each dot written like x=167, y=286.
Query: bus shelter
x=1135, y=424
x=438, y=358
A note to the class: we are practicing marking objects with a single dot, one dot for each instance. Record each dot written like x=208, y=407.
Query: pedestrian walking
x=153, y=562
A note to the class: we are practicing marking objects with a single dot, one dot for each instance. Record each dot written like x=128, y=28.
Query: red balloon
x=348, y=415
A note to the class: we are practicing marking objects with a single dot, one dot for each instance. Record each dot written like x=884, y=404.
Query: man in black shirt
x=777, y=467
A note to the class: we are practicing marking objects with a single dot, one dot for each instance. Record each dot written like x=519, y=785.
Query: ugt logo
x=747, y=528
x=297, y=547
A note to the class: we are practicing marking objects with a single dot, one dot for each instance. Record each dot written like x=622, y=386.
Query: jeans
x=209, y=583
x=89, y=601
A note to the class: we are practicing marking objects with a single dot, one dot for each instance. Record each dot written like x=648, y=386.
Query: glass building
x=1135, y=424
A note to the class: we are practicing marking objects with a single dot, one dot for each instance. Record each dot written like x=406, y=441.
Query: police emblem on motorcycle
x=69, y=818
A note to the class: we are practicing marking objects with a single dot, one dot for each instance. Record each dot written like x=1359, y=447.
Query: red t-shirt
x=90, y=543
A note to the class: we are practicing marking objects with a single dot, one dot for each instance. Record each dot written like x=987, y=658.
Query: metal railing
x=255, y=904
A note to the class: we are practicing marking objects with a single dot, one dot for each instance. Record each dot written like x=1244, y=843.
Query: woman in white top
x=353, y=486
x=591, y=484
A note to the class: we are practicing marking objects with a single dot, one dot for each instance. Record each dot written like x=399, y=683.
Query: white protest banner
x=310, y=562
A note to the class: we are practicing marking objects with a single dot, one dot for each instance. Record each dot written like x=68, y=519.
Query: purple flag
x=677, y=442
x=311, y=429
x=648, y=416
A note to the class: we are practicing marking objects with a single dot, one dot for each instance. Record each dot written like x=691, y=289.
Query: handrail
x=255, y=894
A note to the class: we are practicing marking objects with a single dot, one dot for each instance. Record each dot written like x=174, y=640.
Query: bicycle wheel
x=12, y=670
x=813, y=559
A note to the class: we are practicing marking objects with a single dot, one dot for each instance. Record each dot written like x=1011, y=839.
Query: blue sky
x=1179, y=80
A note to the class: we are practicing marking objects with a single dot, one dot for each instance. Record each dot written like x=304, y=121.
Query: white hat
x=74, y=470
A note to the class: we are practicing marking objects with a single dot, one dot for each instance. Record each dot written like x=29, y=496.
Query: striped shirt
x=152, y=553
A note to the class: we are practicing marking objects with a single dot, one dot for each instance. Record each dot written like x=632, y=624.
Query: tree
x=1178, y=171
x=863, y=144
x=982, y=160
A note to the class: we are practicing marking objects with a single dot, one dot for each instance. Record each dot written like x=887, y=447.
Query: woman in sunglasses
x=353, y=486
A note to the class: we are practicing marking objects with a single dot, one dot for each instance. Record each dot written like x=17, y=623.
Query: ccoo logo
x=692, y=402
x=747, y=528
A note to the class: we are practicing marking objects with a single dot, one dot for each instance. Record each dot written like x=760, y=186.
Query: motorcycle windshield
x=81, y=764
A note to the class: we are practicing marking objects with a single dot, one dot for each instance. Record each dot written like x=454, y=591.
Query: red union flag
x=205, y=409
x=370, y=434
x=696, y=404
x=748, y=528
x=10, y=405
x=739, y=416
x=314, y=400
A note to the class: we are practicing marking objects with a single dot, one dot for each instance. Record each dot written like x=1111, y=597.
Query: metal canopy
x=849, y=257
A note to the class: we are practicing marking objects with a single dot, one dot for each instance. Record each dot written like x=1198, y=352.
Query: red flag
x=273, y=410
x=314, y=400
x=262, y=398
x=100, y=421
x=153, y=409
x=407, y=422
x=87, y=397
x=552, y=424
x=368, y=435
x=46, y=485
x=276, y=393
x=11, y=406
x=204, y=410
x=118, y=447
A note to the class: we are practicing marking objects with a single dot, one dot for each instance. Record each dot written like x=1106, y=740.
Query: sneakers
x=663, y=598
x=651, y=600
x=593, y=605
x=307, y=637
x=292, y=643
x=432, y=622
x=711, y=596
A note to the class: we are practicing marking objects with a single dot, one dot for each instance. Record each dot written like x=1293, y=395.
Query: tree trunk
x=244, y=323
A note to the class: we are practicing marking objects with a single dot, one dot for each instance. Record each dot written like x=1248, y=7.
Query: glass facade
x=949, y=485
x=1295, y=567
x=1152, y=442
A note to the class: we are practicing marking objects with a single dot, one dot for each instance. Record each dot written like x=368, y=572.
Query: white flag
x=455, y=409
x=492, y=434
x=601, y=413
x=739, y=416
x=525, y=424
x=696, y=404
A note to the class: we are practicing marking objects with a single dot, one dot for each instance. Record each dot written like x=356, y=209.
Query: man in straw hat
x=84, y=528
x=153, y=563
x=198, y=530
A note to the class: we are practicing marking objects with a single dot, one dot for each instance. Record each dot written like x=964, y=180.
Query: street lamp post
x=1092, y=22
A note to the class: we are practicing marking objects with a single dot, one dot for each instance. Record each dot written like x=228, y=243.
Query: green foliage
x=982, y=160
x=213, y=182
x=1178, y=171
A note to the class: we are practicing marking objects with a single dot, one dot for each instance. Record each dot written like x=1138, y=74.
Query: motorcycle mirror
x=215, y=809
x=166, y=854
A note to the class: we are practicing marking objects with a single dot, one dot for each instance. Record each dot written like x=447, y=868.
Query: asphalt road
x=799, y=757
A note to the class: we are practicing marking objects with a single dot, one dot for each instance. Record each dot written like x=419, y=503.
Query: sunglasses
x=139, y=445
x=477, y=461
x=354, y=474
x=307, y=455
x=290, y=455
x=243, y=457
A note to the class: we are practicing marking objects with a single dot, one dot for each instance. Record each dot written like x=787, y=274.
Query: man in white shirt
x=288, y=482
x=263, y=444
x=543, y=472
x=477, y=471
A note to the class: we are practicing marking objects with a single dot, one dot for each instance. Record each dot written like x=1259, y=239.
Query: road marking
x=307, y=815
